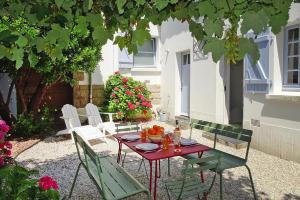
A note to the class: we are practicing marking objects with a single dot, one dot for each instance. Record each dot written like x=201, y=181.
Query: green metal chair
x=227, y=161
x=129, y=127
x=190, y=184
x=111, y=180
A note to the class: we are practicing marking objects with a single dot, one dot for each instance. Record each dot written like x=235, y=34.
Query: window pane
x=293, y=49
x=293, y=63
x=146, y=47
x=293, y=34
x=293, y=77
x=142, y=59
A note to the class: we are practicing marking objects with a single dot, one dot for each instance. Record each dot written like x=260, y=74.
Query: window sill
x=145, y=69
x=287, y=96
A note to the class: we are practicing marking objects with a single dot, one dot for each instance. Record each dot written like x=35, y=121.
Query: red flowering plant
x=128, y=98
x=17, y=182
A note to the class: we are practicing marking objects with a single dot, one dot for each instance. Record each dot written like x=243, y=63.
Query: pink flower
x=129, y=93
x=46, y=183
x=8, y=153
x=1, y=161
x=113, y=95
x=2, y=135
x=125, y=80
x=117, y=72
x=2, y=122
x=145, y=112
x=140, y=96
x=119, y=113
x=2, y=145
x=136, y=88
x=149, y=105
x=5, y=128
x=137, y=103
x=8, y=144
x=130, y=106
x=144, y=103
x=125, y=86
x=116, y=89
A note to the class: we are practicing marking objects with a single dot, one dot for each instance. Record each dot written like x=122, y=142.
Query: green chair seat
x=227, y=161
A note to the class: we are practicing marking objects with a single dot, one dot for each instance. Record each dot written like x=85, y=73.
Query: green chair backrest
x=224, y=130
x=127, y=127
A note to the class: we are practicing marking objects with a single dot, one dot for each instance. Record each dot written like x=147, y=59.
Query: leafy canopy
x=223, y=24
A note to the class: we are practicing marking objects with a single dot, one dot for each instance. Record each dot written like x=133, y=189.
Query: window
x=145, y=57
x=292, y=55
x=146, y=54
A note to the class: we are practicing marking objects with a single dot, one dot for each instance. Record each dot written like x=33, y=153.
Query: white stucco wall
x=110, y=63
x=207, y=97
x=279, y=111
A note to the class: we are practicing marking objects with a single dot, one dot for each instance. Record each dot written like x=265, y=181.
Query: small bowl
x=155, y=138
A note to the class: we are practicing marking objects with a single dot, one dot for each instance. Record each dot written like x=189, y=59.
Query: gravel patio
x=274, y=178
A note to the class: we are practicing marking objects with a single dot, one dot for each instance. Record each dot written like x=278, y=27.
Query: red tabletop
x=161, y=153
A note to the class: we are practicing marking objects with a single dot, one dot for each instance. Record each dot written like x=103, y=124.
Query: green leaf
x=213, y=27
x=120, y=5
x=96, y=20
x=256, y=21
x=22, y=41
x=248, y=46
x=140, y=2
x=206, y=8
x=59, y=3
x=57, y=53
x=33, y=59
x=140, y=35
x=100, y=35
x=161, y=4
x=216, y=47
x=40, y=44
x=197, y=30
x=17, y=55
x=4, y=52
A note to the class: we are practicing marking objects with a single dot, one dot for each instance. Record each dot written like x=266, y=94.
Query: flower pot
x=163, y=117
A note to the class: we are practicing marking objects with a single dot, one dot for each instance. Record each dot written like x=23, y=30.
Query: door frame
x=181, y=67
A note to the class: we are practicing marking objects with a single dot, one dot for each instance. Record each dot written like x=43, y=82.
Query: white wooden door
x=185, y=84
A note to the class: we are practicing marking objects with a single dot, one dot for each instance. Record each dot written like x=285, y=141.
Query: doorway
x=185, y=84
x=236, y=93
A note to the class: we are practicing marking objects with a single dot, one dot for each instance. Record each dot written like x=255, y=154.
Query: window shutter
x=125, y=59
x=257, y=75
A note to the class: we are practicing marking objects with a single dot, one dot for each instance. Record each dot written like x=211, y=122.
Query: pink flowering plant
x=128, y=98
x=5, y=146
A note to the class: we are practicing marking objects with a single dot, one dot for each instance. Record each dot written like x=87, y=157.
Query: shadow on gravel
x=63, y=171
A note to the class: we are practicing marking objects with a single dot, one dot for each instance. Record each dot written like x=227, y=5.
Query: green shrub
x=128, y=98
x=32, y=124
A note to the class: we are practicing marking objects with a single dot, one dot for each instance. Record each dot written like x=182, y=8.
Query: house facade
x=264, y=97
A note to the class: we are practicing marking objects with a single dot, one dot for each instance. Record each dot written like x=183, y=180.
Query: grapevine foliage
x=223, y=24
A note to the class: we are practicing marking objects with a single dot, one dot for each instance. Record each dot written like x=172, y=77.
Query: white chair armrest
x=110, y=115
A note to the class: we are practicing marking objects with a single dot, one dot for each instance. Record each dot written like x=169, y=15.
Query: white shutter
x=257, y=75
x=125, y=59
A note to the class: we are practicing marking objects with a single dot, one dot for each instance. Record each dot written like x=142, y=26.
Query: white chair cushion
x=88, y=132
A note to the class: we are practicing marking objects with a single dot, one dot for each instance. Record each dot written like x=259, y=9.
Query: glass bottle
x=177, y=136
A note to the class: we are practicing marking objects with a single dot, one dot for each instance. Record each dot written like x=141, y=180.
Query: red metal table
x=158, y=155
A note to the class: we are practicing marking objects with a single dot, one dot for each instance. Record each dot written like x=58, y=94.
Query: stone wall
x=155, y=93
x=81, y=95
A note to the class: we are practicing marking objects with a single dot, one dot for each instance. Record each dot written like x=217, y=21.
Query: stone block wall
x=155, y=93
x=81, y=95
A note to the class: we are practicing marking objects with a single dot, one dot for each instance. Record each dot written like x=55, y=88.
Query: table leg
x=119, y=152
x=159, y=171
x=150, y=179
x=155, y=181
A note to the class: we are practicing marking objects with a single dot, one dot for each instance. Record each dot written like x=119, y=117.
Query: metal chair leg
x=169, y=171
x=73, y=184
x=123, y=160
x=140, y=165
x=221, y=185
x=251, y=180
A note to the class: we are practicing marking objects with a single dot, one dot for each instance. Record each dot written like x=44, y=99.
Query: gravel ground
x=274, y=178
